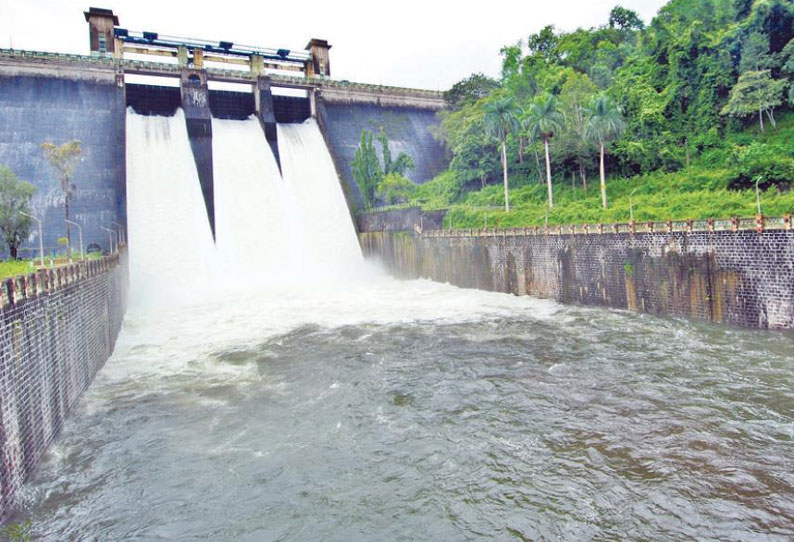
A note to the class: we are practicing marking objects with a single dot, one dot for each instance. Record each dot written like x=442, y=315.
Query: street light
x=111, y=233
x=631, y=207
x=79, y=231
x=122, y=237
x=41, y=236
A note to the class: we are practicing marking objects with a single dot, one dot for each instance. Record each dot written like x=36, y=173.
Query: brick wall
x=744, y=278
x=57, y=329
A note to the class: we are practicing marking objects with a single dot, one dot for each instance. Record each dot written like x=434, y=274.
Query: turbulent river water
x=330, y=402
x=417, y=411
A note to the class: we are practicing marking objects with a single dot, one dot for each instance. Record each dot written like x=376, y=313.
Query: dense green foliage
x=15, y=197
x=369, y=174
x=684, y=110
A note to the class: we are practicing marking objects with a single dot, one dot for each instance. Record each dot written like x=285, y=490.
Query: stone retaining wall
x=57, y=329
x=744, y=278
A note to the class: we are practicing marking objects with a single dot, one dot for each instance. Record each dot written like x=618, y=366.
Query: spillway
x=249, y=216
x=170, y=242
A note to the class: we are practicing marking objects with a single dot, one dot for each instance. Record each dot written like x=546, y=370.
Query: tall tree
x=467, y=91
x=755, y=92
x=366, y=168
x=625, y=19
x=501, y=118
x=755, y=53
x=576, y=94
x=605, y=123
x=400, y=165
x=545, y=120
x=64, y=159
x=15, y=197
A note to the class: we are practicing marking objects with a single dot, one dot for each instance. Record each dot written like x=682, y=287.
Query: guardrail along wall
x=737, y=277
x=57, y=329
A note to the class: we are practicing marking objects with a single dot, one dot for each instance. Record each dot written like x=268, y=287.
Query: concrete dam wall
x=743, y=278
x=409, y=129
x=46, y=101
x=48, y=107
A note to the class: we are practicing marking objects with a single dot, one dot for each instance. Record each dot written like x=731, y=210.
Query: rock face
x=38, y=108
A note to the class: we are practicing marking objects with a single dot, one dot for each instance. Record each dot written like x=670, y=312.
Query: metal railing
x=759, y=224
x=166, y=68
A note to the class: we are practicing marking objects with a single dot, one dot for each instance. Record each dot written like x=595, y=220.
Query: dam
x=270, y=383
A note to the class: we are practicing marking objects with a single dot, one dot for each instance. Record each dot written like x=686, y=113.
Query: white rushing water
x=248, y=190
x=271, y=232
x=170, y=241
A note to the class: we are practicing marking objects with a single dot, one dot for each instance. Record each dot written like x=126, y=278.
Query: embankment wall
x=743, y=278
x=57, y=329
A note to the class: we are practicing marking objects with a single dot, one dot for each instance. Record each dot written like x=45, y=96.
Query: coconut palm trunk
x=603, y=179
x=504, y=172
x=548, y=172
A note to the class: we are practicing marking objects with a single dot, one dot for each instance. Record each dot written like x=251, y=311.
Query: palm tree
x=501, y=118
x=605, y=123
x=545, y=120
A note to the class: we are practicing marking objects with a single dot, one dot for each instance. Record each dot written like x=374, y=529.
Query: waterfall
x=249, y=217
x=320, y=223
x=170, y=241
x=272, y=231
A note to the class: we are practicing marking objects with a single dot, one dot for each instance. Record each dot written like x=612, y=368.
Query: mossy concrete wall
x=743, y=278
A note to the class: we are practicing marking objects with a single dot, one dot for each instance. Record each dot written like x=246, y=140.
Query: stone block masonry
x=743, y=278
x=57, y=329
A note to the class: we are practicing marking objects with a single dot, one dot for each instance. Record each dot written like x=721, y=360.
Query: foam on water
x=286, y=252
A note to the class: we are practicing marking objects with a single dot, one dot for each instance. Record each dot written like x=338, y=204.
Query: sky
x=409, y=43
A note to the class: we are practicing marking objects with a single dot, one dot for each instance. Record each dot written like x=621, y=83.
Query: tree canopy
x=15, y=197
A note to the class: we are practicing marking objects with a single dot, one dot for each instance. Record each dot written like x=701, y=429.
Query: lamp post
x=111, y=234
x=631, y=206
x=122, y=237
x=41, y=237
x=80, y=232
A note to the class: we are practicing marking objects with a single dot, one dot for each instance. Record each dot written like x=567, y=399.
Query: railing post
x=711, y=225
x=8, y=286
x=23, y=287
x=787, y=222
x=689, y=225
x=735, y=224
x=759, y=223
x=651, y=226
x=632, y=227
